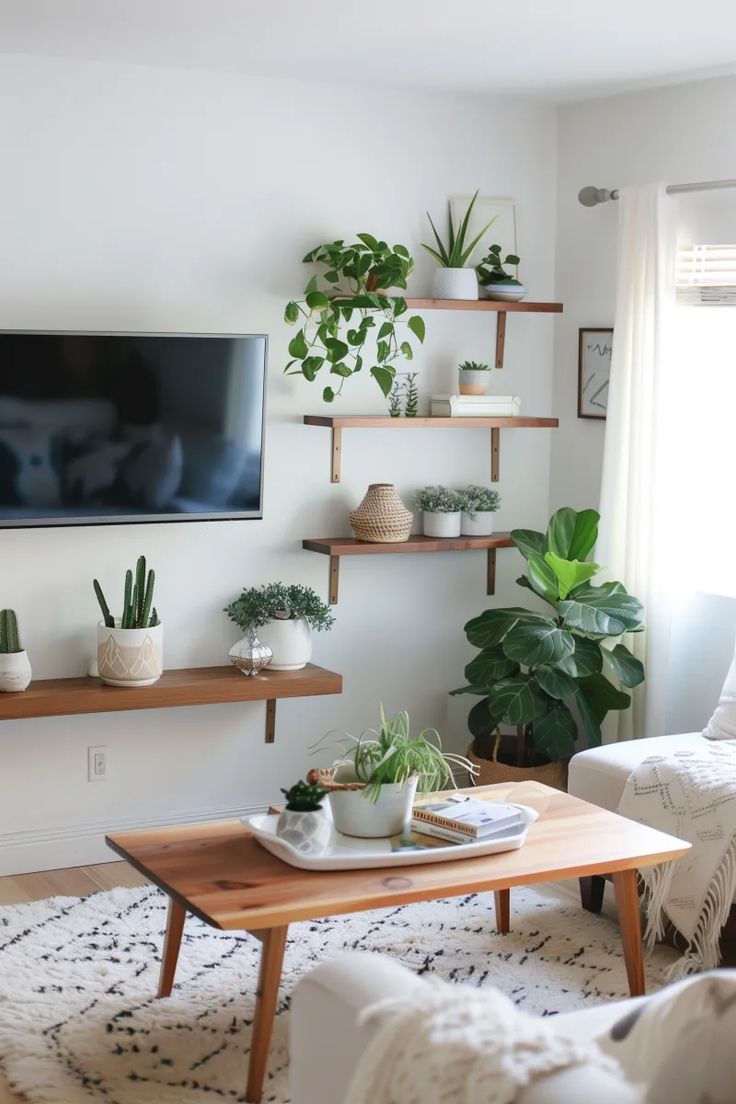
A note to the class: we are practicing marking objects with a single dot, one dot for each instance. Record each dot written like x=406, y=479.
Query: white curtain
x=639, y=472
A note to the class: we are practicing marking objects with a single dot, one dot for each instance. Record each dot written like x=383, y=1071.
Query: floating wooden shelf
x=336, y=547
x=192, y=686
x=338, y=423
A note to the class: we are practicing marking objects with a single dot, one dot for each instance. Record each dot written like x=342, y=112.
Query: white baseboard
x=84, y=844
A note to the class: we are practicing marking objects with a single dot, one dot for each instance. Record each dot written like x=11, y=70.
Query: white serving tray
x=351, y=853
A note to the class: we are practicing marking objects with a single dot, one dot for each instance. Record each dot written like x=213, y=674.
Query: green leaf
x=531, y=644
x=478, y=690
x=560, y=531
x=341, y=369
x=599, y=612
x=400, y=306
x=591, y=724
x=491, y=626
x=317, y=300
x=384, y=377
x=369, y=240
x=543, y=578
x=402, y=251
x=602, y=695
x=386, y=329
x=555, y=733
x=291, y=313
x=571, y=535
x=555, y=683
x=417, y=327
x=407, y=350
x=480, y=721
x=490, y=665
x=585, y=535
x=570, y=573
x=529, y=541
x=311, y=366
x=586, y=659
x=313, y=283
x=332, y=277
x=382, y=350
x=336, y=350
x=355, y=337
x=627, y=668
x=441, y=253
x=517, y=700
x=512, y=259
x=298, y=346
x=328, y=394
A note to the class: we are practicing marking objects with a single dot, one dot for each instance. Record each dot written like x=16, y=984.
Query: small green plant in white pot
x=130, y=647
x=479, y=505
x=303, y=822
x=473, y=377
x=15, y=667
x=495, y=282
x=452, y=280
x=441, y=509
x=283, y=618
x=389, y=766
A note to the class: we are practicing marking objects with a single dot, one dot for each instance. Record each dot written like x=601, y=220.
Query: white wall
x=677, y=134
x=136, y=198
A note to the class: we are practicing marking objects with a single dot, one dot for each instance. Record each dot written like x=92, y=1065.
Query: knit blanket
x=461, y=1044
x=691, y=795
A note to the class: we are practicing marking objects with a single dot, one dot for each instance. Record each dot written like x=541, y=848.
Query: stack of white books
x=463, y=819
x=476, y=406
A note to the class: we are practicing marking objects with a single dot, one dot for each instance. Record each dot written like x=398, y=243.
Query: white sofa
x=327, y=1039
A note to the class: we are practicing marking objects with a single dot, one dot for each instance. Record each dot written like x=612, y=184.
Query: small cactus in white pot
x=473, y=378
x=441, y=509
x=15, y=667
x=303, y=822
x=130, y=647
x=479, y=505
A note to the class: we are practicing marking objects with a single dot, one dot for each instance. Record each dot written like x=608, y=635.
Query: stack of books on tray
x=476, y=406
x=464, y=819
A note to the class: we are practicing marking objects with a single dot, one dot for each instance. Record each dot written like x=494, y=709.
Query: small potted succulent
x=283, y=618
x=441, y=509
x=376, y=777
x=130, y=648
x=15, y=667
x=452, y=280
x=479, y=505
x=303, y=823
x=495, y=282
x=473, y=377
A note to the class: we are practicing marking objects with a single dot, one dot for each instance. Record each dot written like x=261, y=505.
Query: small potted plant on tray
x=479, y=504
x=283, y=617
x=15, y=667
x=452, y=280
x=302, y=822
x=441, y=509
x=130, y=648
x=495, y=282
x=373, y=783
x=473, y=377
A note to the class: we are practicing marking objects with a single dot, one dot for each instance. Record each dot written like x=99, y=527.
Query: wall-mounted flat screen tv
x=104, y=428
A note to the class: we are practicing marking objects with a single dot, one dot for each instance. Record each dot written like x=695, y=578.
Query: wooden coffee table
x=218, y=872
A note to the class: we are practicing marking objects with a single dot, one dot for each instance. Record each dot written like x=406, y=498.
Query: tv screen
x=112, y=428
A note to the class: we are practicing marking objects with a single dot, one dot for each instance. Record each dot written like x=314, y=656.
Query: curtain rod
x=592, y=196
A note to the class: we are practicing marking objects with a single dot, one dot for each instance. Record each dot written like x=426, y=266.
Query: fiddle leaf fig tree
x=534, y=668
x=336, y=331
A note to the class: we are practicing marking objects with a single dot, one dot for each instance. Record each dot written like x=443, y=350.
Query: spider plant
x=392, y=755
x=455, y=254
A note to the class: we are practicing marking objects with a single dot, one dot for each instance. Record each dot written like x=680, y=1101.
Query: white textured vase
x=356, y=815
x=130, y=657
x=480, y=524
x=15, y=671
x=310, y=833
x=472, y=381
x=454, y=283
x=441, y=525
x=290, y=640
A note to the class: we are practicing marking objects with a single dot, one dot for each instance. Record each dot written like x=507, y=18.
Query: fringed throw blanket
x=692, y=795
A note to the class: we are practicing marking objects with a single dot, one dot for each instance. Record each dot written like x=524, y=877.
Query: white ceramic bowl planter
x=130, y=657
x=355, y=814
x=290, y=640
x=477, y=524
x=441, y=525
x=454, y=283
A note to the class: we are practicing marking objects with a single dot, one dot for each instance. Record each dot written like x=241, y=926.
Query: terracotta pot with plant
x=543, y=673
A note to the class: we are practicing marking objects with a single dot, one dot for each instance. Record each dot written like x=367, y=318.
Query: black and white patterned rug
x=78, y=1020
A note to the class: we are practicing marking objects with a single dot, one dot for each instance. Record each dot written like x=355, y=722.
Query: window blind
x=706, y=275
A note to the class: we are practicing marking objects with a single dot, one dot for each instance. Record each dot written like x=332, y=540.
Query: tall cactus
x=138, y=611
x=9, y=635
x=106, y=615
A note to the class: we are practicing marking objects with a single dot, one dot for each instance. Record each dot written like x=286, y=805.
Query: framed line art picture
x=594, y=370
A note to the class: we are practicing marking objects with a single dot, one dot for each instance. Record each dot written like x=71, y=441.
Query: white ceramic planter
x=507, y=293
x=441, y=525
x=479, y=525
x=310, y=833
x=472, y=382
x=356, y=815
x=15, y=671
x=454, y=283
x=289, y=640
x=130, y=657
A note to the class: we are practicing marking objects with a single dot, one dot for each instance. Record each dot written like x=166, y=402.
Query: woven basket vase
x=382, y=518
x=491, y=772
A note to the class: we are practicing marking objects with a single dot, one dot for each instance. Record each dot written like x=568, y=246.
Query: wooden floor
x=75, y=881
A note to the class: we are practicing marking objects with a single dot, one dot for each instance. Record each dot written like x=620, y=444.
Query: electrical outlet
x=97, y=764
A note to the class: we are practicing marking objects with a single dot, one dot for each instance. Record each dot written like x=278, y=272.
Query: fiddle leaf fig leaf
x=490, y=665
x=570, y=573
x=542, y=577
x=555, y=682
x=528, y=541
x=555, y=733
x=585, y=660
x=491, y=626
x=531, y=644
x=628, y=669
x=598, y=613
x=571, y=535
x=517, y=700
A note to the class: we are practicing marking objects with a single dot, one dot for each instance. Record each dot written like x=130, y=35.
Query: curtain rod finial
x=591, y=196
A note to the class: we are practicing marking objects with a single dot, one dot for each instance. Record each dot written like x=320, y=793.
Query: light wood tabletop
x=220, y=873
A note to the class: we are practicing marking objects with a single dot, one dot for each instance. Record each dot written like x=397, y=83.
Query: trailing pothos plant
x=335, y=329
x=534, y=668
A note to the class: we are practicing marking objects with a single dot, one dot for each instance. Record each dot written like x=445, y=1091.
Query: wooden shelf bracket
x=500, y=338
x=270, y=720
x=334, y=579
x=495, y=455
x=336, y=453
x=491, y=572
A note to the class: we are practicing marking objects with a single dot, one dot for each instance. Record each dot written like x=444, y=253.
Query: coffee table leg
x=627, y=903
x=502, y=902
x=269, y=976
x=172, y=943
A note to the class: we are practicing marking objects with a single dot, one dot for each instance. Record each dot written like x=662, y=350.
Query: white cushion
x=722, y=725
x=599, y=774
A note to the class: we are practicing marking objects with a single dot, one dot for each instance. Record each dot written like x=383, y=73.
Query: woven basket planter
x=491, y=772
x=382, y=518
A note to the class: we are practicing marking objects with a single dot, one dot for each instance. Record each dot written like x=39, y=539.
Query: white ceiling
x=558, y=50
